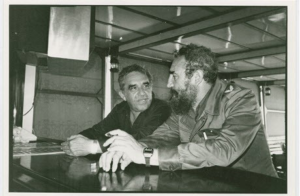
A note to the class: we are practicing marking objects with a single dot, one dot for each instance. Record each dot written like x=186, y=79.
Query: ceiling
x=250, y=42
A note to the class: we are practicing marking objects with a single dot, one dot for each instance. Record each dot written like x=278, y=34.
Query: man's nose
x=170, y=82
x=142, y=91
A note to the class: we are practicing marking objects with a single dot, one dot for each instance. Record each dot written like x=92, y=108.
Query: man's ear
x=122, y=95
x=198, y=76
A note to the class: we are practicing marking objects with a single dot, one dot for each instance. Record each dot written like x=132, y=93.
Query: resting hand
x=78, y=145
x=124, y=142
x=22, y=135
x=114, y=157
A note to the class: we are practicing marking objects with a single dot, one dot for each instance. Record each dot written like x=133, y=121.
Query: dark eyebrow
x=146, y=83
x=131, y=85
x=171, y=72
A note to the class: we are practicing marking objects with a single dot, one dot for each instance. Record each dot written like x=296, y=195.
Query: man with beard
x=138, y=115
x=213, y=123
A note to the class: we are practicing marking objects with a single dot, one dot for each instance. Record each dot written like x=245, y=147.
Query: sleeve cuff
x=91, y=134
x=101, y=141
x=88, y=133
x=168, y=158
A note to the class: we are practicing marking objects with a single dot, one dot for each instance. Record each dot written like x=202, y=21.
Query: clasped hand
x=77, y=145
x=123, y=149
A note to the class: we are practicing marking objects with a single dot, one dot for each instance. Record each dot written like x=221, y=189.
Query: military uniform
x=227, y=132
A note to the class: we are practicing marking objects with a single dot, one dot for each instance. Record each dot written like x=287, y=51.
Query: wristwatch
x=148, y=152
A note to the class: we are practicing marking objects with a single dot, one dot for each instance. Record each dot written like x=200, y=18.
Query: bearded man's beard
x=183, y=100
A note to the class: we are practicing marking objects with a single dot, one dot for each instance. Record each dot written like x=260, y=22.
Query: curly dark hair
x=131, y=68
x=199, y=57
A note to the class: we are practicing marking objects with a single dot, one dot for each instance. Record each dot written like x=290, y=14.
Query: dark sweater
x=119, y=118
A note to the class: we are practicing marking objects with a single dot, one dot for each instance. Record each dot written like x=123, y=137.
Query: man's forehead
x=135, y=78
x=178, y=63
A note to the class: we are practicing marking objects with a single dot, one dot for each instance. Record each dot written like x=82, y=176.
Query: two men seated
x=139, y=114
x=212, y=123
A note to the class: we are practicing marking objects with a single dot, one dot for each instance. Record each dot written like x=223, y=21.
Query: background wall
x=276, y=119
x=57, y=115
x=275, y=111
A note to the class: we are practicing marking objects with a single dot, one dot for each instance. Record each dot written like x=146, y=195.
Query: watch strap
x=147, y=161
x=148, y=152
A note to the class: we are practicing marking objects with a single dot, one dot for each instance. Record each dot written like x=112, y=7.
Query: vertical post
x=29, y=92
x=107, y=92
x=263, y=108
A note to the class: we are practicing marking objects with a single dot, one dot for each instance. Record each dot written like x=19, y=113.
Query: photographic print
x=149, y=98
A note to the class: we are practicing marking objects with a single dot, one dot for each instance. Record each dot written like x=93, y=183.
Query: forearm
x=94, y=132
x=221, y=152
x=94, y=146
x=78, y=145
x=163, y=136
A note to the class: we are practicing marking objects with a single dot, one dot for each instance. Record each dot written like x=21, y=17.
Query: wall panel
x=275, y=124
x=59, y=115
x=276, y=101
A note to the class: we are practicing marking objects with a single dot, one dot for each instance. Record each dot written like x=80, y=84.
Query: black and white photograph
x=128, y=97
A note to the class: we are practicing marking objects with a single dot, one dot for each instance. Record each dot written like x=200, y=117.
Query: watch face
x=148, y=152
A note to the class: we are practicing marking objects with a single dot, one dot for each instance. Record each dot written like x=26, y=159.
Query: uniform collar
x=214, y=101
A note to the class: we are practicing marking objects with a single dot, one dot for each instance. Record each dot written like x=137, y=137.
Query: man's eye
x=147, y=86
x=133, y=88
x=175, y=77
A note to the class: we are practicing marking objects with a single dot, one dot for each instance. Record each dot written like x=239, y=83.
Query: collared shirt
x=119, y=118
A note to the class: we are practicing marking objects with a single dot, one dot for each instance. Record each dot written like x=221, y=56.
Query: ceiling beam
x=252, y=54
x=59, y=92
x=264, y=72
x=147, y=15
x=254, y=73
x=271, y=83
x=140, y=58
x=119, y=27
x=220, y=21
x=279, y=82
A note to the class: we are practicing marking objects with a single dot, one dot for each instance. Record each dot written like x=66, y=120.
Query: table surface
x=63, y=173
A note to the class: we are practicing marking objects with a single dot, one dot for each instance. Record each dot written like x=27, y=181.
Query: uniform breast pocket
x=209, y=133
